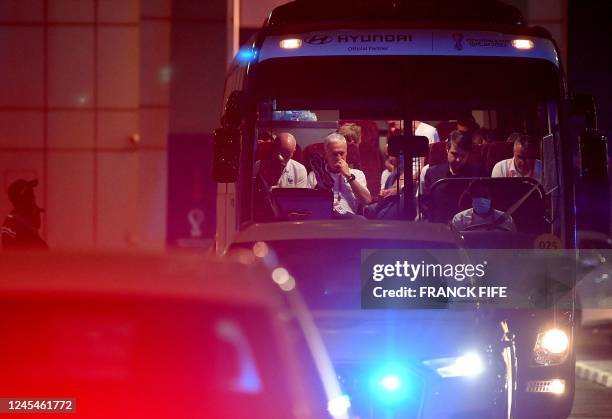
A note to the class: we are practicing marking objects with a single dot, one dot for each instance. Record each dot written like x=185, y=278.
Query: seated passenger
x=389, y=167
x=467, y=124
x=458, y=149
x=513, y=137
x=265, y=137
x=348, y=185
x=388, y=204
x=351, y=132
x=482, y=211
x=388, y=177
x=524, y=163
x=482, y=136
x=426, y=130
x=280, y=170
x=419, y=128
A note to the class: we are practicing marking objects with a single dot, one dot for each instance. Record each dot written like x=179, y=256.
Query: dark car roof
x=136, y=275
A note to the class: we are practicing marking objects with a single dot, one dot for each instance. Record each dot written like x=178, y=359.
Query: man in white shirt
x=419, y=128
x=524, y=163
x=349, y=186
x=281, y=171
x=388, y=183
x=426, y=130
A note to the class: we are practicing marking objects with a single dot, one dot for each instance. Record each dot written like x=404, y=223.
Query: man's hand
x=361, y=192
x=388, y=192
x=344, y=168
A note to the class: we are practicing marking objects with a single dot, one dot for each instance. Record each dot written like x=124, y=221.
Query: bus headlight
x=292, y=43
x=551, y=347
x=524, y=44
x=468, y=365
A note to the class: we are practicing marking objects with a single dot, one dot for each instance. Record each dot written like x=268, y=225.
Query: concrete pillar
x=202, y=40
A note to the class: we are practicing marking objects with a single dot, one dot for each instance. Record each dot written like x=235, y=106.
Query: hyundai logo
x=318, y=39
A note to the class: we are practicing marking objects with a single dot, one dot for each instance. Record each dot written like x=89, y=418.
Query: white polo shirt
x=344, y=198
x=428, y=131
x=293, y=176
x=506, y=168
x=383, y=178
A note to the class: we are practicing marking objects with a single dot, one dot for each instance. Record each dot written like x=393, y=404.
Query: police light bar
x=291, y=43
x=524, y=44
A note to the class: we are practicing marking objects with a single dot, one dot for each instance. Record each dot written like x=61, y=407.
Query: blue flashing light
x=391, y=382
x=390, y=385
x=246, y=55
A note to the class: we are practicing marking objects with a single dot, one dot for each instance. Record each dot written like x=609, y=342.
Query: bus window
x=413, y=97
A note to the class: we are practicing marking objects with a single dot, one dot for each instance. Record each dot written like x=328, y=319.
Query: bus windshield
x=489, y=102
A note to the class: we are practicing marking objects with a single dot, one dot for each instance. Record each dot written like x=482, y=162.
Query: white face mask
x=481, y=205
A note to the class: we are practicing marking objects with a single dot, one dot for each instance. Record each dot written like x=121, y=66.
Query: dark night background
x=589, y=48
x=588, y=70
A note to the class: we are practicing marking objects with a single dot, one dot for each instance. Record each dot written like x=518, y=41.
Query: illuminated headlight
x=551, y=347
x=468, y=365
x=338, y=406
x=523, y=44
x=292, y=43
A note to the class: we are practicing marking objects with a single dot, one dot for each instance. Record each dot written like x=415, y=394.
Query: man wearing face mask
x=482, y=211
x=20, y=228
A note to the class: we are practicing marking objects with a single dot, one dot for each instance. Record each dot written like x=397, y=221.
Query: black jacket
x=442, y=171
x=18, y=234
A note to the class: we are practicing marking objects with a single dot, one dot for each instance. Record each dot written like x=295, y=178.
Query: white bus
x=412, y=73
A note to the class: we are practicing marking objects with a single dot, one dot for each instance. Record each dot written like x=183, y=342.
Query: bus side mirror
x=226, y=154
x=408, y=145
x=583, y=104
x=592, y=144
x=593, y=157
x=233, y=111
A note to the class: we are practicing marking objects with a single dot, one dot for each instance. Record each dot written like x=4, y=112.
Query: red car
x=156, y=336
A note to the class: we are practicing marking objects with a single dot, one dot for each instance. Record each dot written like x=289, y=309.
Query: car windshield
x=490, y=102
